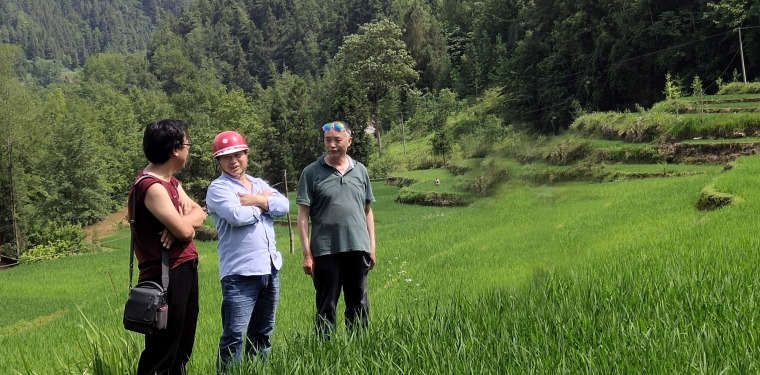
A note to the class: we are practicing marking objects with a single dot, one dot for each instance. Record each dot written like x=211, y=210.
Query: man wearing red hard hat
x=243, y=209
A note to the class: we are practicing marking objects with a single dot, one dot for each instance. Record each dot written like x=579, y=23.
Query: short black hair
x=161, y=138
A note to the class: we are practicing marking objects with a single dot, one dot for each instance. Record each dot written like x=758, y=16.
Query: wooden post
x=290, y=224
x=741, y=50
x=403, y=133
x=702, y=104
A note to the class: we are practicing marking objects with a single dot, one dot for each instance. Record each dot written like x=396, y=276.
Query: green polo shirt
x=337, y=203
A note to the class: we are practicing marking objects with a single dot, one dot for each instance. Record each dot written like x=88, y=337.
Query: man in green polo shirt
x=335, y=193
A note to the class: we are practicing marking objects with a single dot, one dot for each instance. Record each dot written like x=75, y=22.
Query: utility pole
x=741, y=51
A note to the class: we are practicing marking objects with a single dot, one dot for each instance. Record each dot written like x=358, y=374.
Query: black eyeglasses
x=187, y=144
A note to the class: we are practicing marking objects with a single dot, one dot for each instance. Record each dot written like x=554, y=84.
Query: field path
x=108, y=226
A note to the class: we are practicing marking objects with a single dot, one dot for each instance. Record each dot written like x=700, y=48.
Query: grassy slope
x=572, y=278
x=615, y=277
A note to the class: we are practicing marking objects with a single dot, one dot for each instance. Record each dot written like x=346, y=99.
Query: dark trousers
x=167, y=351
x=335, y=272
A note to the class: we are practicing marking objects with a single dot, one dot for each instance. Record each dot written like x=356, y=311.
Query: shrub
x=630, y=127
x=696, y=86
x=491, y=173
x=428, y=162
x=48, y=251
x=486, y=132
x=53, y=231
x=400, y=181
x=429, y=198
x=647, y=154
x=580, y=172
x=673, y=87
x=55, y=240
x=673, y=106
x=709, y=199
x=382, y=167
x=739, y=88
x=206, y=234
x=521, y=146
x=608, y=125
x=457, y=169
x=567, y=152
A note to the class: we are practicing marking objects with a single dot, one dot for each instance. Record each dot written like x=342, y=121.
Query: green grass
x=722, y=141
x=663, y=168
x=426, y=180
x=624, y=277
x=418, y=154
x=722, y=98
x=606, y=143
x=745, y=104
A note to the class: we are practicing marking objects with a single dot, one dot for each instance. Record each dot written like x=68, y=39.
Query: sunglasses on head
x=333, y=125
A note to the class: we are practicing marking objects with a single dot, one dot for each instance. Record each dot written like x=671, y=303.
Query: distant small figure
x=437, y=182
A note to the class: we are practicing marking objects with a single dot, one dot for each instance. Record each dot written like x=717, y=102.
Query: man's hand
x=308, y=265
x=259, y=199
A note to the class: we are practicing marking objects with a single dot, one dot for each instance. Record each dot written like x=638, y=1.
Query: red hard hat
x=229, y=142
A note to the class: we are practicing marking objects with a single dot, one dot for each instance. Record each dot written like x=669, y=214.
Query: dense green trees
x=71, y=31
x=80, y=78
x=607, y=54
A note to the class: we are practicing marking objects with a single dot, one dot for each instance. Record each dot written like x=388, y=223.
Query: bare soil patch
x=108, y=226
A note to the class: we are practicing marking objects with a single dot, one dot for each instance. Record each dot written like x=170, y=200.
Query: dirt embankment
x=108, y=226
x=717, y=153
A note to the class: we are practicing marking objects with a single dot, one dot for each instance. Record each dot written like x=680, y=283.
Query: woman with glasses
x=165, y=218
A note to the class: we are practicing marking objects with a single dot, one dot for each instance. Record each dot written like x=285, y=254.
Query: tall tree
x=302, y=136
x=14, y=106
x=424, y=39
x=75, y=188
x=377, y=59
x=350, y=104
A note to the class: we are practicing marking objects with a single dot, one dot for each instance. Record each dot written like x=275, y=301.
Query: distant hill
x=68, y=31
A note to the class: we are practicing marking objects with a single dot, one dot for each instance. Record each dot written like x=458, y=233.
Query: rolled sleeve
x=279, y=205
x=222, y=200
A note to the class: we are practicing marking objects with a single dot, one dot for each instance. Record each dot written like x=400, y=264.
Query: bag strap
x=164, y=252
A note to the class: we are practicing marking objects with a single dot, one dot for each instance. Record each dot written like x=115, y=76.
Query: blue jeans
x=248, y=312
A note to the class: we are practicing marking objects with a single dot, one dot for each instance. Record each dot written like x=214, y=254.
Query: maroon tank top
x=148, y=230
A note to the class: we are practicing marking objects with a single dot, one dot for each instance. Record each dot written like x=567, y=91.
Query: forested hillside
x=69, y=31
x=463, y=75
x=553, y=58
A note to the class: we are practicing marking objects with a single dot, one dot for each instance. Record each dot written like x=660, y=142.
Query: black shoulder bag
x=146, y=310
